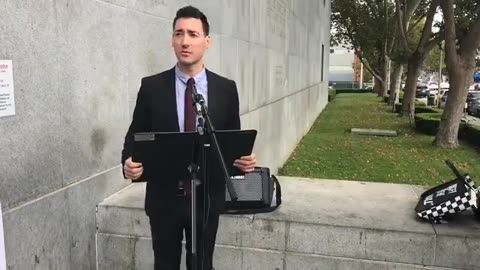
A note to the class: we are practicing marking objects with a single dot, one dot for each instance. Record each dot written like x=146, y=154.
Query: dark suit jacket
x=156, y=111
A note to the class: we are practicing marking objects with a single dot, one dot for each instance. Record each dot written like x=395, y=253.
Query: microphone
x=198, y=100
x=198, y=103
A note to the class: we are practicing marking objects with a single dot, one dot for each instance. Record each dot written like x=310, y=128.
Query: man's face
x=189, y=41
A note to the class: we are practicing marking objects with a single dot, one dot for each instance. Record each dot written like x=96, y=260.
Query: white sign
x=7, y=101
x=3, y=261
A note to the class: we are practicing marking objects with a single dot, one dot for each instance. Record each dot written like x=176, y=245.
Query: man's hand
x=246, y=163
x=132, y=170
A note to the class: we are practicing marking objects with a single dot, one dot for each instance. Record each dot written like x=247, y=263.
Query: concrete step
x=328, y=222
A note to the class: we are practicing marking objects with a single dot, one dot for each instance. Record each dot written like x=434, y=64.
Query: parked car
x=445, y=85
x=476, y=108
x=443, y=90
x=471, y=104
x=472, y=94
x=421, y=87
x=474, y=87
x=472, y=97
x=423, y=93
x=432, y=85
x=433, y=91
x=432, y=97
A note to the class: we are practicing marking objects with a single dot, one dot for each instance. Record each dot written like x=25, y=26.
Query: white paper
x=3, y=261
x=7, y=100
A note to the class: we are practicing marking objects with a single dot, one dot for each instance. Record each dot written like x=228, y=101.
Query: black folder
x=167, y=155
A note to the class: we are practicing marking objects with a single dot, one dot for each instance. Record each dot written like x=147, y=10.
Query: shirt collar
x=199, y=78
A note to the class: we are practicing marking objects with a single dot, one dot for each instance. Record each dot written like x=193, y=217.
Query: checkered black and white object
x=456, y=205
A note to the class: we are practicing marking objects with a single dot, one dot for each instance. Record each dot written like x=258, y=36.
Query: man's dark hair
x=193, y=12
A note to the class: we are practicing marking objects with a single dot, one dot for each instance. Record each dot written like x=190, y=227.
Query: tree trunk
x=395, y=82
x=460, y=58
x=460, y=75
x=378, y=86
x=386, y=77
x=413, y=71
x=398, y=87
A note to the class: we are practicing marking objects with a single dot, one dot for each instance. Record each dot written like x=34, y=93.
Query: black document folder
x=167, y=155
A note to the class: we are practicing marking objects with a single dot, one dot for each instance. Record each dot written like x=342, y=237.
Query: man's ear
x=208, y=42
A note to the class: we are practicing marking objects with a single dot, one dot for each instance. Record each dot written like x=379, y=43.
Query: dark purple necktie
x=190, y=115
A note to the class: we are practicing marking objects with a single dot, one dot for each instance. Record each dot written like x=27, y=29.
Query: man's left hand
x=246, y=163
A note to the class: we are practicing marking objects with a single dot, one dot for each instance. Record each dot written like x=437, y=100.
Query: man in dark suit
x=164, y=105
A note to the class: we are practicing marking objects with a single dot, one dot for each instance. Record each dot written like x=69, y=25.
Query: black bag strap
x=465, y=178
x=278, y=199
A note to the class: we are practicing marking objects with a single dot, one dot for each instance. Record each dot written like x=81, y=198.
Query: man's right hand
x=132, y=170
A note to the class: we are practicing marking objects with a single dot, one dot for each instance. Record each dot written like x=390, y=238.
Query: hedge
x=427, y=123
x=471, y=134
x=420, y=107
x=424, y=109
x=427, y=120
x=400, y=100
x=398, y=107
x=419, y=104
x=332, y=93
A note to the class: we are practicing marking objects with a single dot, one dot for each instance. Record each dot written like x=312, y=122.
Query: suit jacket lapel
x=213, y=89
x=170, y=101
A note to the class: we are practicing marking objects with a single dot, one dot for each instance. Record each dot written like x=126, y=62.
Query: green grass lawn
x=330, y=151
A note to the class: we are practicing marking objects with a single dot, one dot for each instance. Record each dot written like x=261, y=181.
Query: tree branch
x=402, y=26
x=372, y=71
x=393, y=42
x=427, y=29
x=416, y=23
x=405, y=6
x=471, y=42
x=410, y=9
x=431, y=43
x=373, y=9
x=450, y=32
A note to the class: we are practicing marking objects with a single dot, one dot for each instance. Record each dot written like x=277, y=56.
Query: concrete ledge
x=226, y=257
x=374, y=132
x=323, y=224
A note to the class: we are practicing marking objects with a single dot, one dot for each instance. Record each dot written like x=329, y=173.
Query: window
x=332, y=51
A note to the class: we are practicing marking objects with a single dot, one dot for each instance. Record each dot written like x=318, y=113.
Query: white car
x=433, y=91
x=443, y=91
x=432, y=85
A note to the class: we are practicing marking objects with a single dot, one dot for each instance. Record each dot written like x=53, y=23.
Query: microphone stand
x=204, y=127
